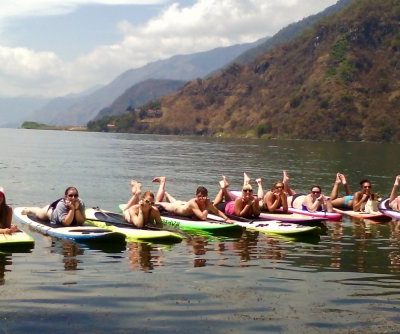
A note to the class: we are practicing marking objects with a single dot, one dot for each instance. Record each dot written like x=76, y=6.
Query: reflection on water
x=70, y=251
x=5, y=263
x=145, y=257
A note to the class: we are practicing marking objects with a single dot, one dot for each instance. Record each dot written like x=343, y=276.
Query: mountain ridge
x=331, y=83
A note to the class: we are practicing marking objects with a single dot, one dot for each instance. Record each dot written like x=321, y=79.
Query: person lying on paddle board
x=245, y=205
x=66, y=211
x=314, y=201
x=394, y=199
x=345, y=202
x=362, y=196
x=198, y=207
x=6, y=213
x=140, y=210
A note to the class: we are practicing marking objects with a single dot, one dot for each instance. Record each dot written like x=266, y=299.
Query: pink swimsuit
x=230, y=208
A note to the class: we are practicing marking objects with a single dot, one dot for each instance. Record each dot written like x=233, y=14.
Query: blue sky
x=52, y=48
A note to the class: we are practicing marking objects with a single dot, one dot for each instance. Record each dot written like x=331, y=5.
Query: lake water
x=346, y=282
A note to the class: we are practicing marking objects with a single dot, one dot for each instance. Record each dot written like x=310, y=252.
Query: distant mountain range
x=339, y=80
x=140, y=94
x=252, y=51
x=14, y=110
x=78, y=111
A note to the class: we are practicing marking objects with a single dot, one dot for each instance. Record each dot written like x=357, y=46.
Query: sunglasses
x=201, y=197
x=279, y=187
x=247, y=190
x=316, y=192
x=149, y=202
x=73, y=195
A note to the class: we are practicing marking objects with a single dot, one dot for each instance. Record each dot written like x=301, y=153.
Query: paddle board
x=77, y=233
x=335, y=216
x=387, y=210
x=290, y=217
x=272, y=226
x=17, y=241
x=363, y=215
x=116, y=222
x=190, y=224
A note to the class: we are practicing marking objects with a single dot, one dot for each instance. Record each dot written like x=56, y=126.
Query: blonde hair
x=247, y=187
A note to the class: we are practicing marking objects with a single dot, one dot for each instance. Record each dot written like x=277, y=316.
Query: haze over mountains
x=78, y=111
x=339, y=80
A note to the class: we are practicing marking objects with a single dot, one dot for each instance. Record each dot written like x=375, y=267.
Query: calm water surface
x=348, y=281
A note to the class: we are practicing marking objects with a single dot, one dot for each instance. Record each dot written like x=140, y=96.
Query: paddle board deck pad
x=379, y=216
x=17, y=241
x=190, y=224
x=335, y=216
x=387, y=210
x=77, y=233
x=116, y=222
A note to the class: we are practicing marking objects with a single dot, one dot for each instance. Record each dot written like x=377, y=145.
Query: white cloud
x=176, y=30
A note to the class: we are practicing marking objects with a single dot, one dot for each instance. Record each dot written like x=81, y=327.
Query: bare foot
x=135, y=187
x=259, y=180
x=285, y=179
x=397, y=181
x=342, y=178
x=338, y=179
x=224, y=182
x=246, y=179
x=25, y=211
x=159, y=179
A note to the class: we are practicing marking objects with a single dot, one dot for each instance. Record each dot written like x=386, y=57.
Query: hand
x=68, y=204
x=364, y=197
x=14, y=229
x=77, y=205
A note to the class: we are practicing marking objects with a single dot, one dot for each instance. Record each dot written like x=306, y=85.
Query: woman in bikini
x=245, y=205
x=140, y=210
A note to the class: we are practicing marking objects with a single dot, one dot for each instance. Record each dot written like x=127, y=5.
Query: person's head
x=148, y=198
x=278, y=186
x=366, y=186
x=201, y=193
x=71, y=193
x=315, y=191
x=247, y=190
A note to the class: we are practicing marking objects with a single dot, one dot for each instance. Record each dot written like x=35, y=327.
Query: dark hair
x=316, y=186
x=70, y=188
x=363, y=181
x=3, y=212
x=202, y=190
x=276, y=183
x=148, y=193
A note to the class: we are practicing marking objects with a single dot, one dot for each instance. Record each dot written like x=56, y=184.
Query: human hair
x=148, y=193
x=70, y=188
x=3, y=212
x=202, y=190
x=316, y=186
x=274, y=185
x=247, y=187
x=364, y=181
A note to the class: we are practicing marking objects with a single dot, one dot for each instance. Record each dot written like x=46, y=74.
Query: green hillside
x=340, y=80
